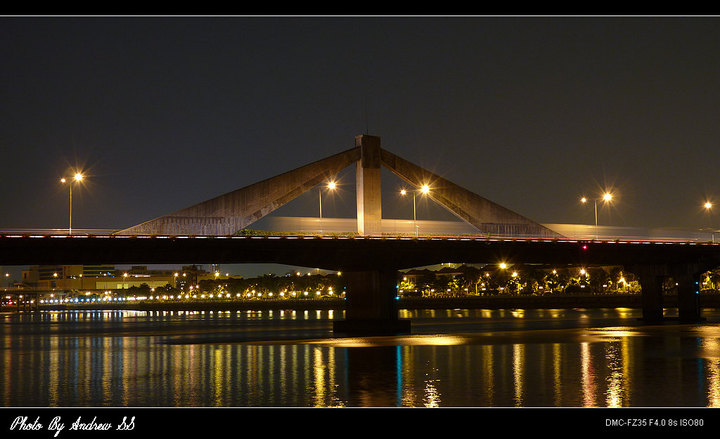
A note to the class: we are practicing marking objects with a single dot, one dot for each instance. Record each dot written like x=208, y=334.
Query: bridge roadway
x=370, y=263
x=346, y=252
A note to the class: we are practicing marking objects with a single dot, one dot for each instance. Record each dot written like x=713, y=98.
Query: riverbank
x=710, y=300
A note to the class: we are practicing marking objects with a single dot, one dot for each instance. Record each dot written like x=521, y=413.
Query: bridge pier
x=651, y=281
x=371, y=304
x=686, y=276
x=688, y=286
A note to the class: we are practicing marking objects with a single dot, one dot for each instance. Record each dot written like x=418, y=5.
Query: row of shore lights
x=107, y=297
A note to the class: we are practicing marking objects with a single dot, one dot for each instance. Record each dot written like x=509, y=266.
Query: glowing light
x=77, y=177
x=425, y=189
x=503, y=265
x=583, y=200
x=331, y=185
x=608, y=196
x=708, y=205
x=403, y=192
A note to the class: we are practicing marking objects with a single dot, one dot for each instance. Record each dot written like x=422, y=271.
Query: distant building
x=96, y=278
x=65, y=277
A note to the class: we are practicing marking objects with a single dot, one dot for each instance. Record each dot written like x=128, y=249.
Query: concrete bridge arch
x=229, y=213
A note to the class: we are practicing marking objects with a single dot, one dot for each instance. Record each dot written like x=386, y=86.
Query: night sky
x=530, y=112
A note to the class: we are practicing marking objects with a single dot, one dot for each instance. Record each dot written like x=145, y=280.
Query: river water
x=453, y=358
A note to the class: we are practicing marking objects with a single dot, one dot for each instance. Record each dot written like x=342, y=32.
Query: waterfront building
x=100, y=278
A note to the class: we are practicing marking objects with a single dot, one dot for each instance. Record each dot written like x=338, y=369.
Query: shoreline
x=474, y=302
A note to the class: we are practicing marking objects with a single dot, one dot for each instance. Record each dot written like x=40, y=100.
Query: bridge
x=208, y=232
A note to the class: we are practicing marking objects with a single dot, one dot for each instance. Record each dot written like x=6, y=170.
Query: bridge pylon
x=228, y=214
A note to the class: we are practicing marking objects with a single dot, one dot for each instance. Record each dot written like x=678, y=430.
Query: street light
x=606, y=198
x=708, y=206
x=77, y=178
x=331, y=186
x=403, y=192
x=424, y=189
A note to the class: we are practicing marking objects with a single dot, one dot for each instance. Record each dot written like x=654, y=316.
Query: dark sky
x=529, y=112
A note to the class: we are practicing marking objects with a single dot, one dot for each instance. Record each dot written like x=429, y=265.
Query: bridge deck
x=344, y=252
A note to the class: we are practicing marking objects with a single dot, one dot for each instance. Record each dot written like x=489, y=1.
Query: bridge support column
x=688, y=288
x=651, y=281
x=371, y=304
x=688, y=298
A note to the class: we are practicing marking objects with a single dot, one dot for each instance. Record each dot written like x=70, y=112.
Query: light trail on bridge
x=342, y=228
x=318, y=236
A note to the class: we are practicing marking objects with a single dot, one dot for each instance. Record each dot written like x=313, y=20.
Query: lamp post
x=331, y=186
x=708, y=207
x=607, y=197
x=78, y=177
x=424, y=189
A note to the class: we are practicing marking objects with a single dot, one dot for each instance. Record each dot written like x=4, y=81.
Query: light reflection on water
x=453, y=358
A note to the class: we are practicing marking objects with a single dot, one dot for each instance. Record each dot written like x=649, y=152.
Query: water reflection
x=468, y=358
